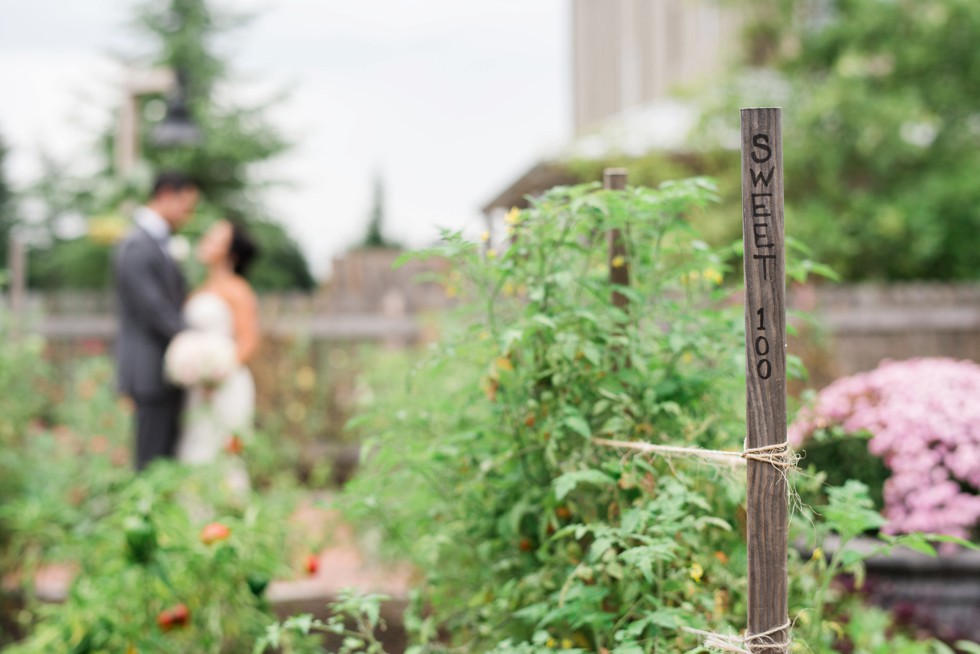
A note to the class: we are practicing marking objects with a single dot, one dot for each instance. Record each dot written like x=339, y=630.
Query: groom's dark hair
x=243, y=248
x=172, y=180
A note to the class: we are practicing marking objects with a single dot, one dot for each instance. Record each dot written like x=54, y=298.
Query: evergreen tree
x=181, y=35
x=233, y=137
x=7, y=218
x=375, y=236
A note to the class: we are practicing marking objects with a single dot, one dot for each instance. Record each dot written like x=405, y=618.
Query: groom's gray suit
x=151, y=291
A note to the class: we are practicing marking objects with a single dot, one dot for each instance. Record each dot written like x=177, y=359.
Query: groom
x=151, y=291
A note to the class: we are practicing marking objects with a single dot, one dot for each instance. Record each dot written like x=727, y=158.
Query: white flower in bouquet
x=200, y=358
x=179, y=247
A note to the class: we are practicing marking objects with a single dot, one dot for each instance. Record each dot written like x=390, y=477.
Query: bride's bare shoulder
x=238, y=291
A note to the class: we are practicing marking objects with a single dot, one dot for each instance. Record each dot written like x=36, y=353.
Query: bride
x=219, y=419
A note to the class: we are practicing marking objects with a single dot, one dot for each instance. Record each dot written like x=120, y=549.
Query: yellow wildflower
x=508, y=289
x=491, y=254
x=305, y=378
x=817, y=554
x=551, y=643
x=107, y=229
x=618, y=261
x=697, y=572
x=687, y=357
x=452, y=291
x=513, y=216
x=713, y=276
x=485, y=236
x=503, y=363
x=566, y=643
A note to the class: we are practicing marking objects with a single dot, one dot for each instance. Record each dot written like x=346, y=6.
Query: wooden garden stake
x=614, y=179
x=765, y=346
x=17, y=264
x=619, y=273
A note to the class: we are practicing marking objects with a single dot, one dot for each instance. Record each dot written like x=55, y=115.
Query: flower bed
x=923, y=418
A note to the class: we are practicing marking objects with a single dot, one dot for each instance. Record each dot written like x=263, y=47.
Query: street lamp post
x=176, y=129
x=136, y=84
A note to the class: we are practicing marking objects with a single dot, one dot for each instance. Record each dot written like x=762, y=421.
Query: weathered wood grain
x=765, y=346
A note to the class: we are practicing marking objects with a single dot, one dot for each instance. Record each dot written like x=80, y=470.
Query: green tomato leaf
x=567, y=482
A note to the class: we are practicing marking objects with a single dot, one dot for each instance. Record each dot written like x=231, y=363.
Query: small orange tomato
x=311, y=564
x=563, y=512
x=234, y=445
x=175, y=616
x=530, y=420
x=525, y=545
x=214, y=533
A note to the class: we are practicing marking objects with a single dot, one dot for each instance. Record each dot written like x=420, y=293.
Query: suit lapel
x=174, y=277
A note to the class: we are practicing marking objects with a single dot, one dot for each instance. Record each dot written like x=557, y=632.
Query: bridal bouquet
x=199, y=358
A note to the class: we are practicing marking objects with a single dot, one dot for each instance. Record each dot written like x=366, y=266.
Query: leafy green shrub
x=155, y=576
x=354, y=620
x=147, y=576
x=22, y=373
x=880, y=130
x=842, y=456
x=484, y=473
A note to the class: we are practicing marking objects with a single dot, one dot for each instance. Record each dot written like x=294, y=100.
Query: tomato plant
x=484, y=472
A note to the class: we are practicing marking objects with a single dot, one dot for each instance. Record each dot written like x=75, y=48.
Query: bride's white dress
x=211, y=419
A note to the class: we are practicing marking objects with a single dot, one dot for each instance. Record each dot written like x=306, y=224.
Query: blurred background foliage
x=6, y=211
x=885, y=133
x=881, y=129
x=76, y=219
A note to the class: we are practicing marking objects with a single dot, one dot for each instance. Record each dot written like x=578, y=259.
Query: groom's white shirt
x=154, y=225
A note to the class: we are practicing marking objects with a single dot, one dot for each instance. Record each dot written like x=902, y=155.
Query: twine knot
x=747, y=644
x=779, y=455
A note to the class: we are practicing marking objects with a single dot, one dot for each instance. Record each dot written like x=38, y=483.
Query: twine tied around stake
x=779, y=455
x=747, y=644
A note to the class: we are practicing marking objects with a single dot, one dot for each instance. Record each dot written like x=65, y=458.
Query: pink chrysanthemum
x=924, y=418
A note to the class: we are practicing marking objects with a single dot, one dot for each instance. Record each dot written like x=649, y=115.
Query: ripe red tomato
x=175, y=616
x=214, y=532
x=311, y=564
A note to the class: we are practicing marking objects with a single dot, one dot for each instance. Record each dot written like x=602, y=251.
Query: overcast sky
x=450, y=99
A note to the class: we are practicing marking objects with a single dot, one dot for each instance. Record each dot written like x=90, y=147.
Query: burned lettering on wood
x=765, y=351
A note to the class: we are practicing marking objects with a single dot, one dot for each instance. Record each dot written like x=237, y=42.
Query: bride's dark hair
x=243, y=248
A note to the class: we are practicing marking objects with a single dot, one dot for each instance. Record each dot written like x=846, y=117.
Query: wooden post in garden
x=17, y=267
x=765, y=344
x=614, y=179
